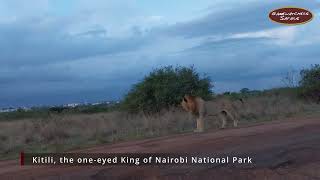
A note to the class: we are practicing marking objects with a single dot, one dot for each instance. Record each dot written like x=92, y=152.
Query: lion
x=225, y=109
x=196, y=107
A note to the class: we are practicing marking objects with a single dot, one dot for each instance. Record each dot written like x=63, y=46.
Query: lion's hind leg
x=235, y=123
x=234, y=119
x=223, y=118
x=227, y=115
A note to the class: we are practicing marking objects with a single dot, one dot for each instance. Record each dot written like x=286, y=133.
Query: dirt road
x=288, y=149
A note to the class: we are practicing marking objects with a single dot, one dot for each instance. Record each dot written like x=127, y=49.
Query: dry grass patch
x=71, y=131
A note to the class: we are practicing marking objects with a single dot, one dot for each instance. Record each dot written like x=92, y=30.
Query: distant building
x=72, y=105
x=62, y=106
x=10, y=109
x=98, y=103
x=26, y=108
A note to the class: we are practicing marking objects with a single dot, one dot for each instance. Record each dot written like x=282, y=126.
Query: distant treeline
x=44, y=112
x=163, y=88
x=293, y=92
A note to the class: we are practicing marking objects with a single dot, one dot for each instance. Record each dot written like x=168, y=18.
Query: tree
x=310, y=82
x=291, y=79
x=244, y=91
x=165, y=87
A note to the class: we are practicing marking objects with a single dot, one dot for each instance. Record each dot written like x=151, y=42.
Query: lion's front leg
x=191, y=118
x=200, y=125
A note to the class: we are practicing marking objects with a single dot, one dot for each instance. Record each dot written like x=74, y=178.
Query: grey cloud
x=246, y=62
x=231, y=63
x=28, y=43
x=253, y=17
x=25, y=45
x=96, y=32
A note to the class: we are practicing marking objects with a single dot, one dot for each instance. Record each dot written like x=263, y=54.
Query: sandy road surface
x=288, y=149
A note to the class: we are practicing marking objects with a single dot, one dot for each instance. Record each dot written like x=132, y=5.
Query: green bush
x=245, y=91
x=310, y=83
x=165, y=87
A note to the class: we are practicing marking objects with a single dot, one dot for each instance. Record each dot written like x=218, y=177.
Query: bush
x=245, y=91
x=310, y=83
x=165, y=87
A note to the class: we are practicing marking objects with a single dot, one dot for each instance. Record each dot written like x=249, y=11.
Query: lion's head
x=188, y=103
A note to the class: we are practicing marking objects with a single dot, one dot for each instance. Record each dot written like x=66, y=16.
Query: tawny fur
x=225, y=109
x=196, y=107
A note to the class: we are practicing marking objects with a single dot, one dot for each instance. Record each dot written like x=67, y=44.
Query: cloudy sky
x=58, y=51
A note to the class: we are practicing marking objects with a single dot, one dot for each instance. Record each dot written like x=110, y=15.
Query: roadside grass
x=70, y=131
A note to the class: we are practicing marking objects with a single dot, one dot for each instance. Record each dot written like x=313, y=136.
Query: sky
x=56, y=51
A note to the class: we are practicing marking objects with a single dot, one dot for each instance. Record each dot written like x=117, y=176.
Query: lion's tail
x=224, y=112
x=217, y=114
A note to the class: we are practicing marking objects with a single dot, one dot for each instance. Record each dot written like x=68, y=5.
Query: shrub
x=165, y=87
x=245, y=91
x=310, y=83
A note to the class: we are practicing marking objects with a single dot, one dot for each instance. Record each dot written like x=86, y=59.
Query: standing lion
x=225, y=109
x=196, y=107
